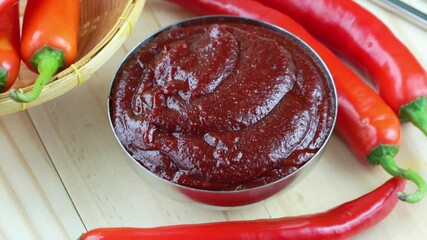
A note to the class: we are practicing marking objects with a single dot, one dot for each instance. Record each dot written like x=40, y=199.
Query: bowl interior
x=235, y=197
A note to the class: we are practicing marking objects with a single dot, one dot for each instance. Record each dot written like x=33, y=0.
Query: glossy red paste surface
x=221, y=106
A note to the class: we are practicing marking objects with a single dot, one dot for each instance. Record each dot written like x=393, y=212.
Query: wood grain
x=62, y=171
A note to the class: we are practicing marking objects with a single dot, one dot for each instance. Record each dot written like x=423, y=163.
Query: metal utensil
x=404, y=10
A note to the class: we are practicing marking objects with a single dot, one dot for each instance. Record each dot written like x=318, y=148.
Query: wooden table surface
x=62, y=171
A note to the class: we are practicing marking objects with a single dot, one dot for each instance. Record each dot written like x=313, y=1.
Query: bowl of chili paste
x=222, y=110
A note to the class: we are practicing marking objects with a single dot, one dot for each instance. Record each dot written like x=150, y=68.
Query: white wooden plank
x=34, y=201
x=105, y=190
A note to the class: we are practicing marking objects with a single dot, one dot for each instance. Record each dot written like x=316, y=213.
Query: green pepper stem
x=384, y=155
x=47, y=61
x=416, y=112
x=3, y=78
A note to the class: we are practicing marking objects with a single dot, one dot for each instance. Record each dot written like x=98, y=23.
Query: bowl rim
x=227, y=18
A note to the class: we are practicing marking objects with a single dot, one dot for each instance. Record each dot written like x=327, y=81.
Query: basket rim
x=119, y=32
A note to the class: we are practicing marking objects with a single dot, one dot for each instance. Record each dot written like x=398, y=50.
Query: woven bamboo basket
x=104, y=26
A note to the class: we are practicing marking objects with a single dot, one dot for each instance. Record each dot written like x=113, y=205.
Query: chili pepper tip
x=416, y=112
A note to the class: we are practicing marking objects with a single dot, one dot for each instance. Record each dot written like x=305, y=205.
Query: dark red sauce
x=221, y=106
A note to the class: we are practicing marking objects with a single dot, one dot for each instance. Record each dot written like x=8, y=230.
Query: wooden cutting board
x=62, y=172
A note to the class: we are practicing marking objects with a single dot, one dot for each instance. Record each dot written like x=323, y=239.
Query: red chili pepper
x=49, y=41
x=9, y=47
x=369, y=45
x=5, y=4
x=341, y=222
x=364, y=121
